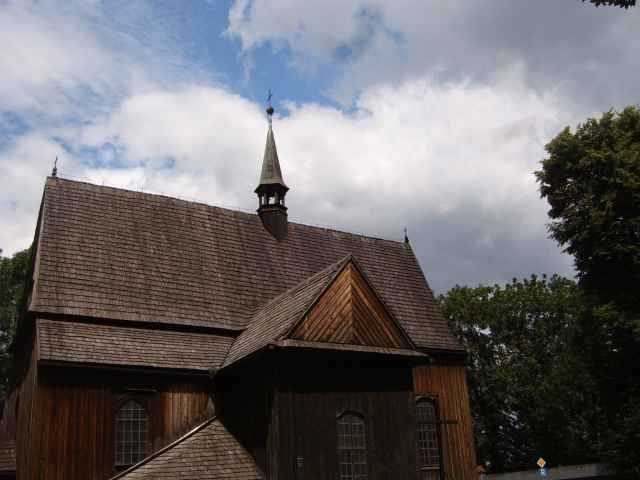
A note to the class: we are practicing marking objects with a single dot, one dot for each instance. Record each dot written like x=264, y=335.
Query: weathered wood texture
x=26, y=395
x=72, y=434
x=350, y=312
x=8, y=423
x=99, y=257
x=243, y=401
x=448, y=385
x=312, y=396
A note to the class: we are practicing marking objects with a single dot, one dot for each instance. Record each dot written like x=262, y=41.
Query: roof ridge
x=151, y=194
x=235, y=210
x=164, y=449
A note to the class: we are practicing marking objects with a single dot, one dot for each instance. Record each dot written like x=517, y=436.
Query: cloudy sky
x=426, y=114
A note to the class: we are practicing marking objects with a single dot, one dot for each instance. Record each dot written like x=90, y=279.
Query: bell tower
x=272, y=190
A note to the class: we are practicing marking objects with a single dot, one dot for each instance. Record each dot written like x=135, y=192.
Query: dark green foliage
x=614, y=3
x=12, y=279
x=531, y=390
x=591, y=180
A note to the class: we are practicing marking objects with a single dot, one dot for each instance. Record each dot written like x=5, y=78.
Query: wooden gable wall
x=350, y=312
x=447, y=384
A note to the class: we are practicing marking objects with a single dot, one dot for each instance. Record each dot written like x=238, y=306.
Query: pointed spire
x=271, y=174
x=54, y=172
x=406, y=235
x=272, y=190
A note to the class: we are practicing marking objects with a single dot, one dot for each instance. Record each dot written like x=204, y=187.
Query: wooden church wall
x=310, y=397
x=8, y=424
x=244, y=403
x=25, y=404
x=72, y=434
x=448, y=384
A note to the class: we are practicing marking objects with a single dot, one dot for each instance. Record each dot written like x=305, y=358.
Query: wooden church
x=167, y=339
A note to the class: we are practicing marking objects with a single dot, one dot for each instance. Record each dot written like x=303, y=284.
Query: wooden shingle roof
x=117, y=254
x=208, y=452
x=277, y=316
x=96, y=344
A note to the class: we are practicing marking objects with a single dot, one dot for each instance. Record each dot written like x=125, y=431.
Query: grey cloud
x=589, y=55
x=454, y=102
x=452, y=250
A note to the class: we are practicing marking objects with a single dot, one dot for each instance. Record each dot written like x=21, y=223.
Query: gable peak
x=350, y=312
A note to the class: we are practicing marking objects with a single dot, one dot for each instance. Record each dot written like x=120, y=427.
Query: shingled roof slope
x=277, y=316
x=91, y=343
x=113, y=253
x=208, y=452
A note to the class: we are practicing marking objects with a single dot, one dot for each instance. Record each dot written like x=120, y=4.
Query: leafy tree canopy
x=12, y=278
x=531, y=390
x=613, y=3
x=591, y=180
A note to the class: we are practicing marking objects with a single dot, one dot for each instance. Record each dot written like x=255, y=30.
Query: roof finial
x=269, y=106
x=54, y=172
x=406, y=236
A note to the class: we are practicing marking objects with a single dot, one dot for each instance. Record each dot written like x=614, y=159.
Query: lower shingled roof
x=90, y=343
x=208, y=452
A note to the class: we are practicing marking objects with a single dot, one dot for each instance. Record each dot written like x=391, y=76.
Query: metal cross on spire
x=269, y=106
x=54, y=172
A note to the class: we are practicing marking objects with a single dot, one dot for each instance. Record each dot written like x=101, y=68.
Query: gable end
x=350, y=312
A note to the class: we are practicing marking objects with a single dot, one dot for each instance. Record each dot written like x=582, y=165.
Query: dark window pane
x=427, y=440
x=352, y=447
x=131, y=437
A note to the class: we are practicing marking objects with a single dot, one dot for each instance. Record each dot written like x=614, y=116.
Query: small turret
x=272, y=190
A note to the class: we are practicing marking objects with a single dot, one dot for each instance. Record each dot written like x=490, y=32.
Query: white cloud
x=22, y=170
x=565, y=45
x=45, y=52
x=453, y=162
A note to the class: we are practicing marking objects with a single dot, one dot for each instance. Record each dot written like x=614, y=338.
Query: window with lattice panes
x=132, y=424
x=352, y=447
x=427, y=439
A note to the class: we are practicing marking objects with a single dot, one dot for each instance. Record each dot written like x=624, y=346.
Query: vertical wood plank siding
x=72, y=433
x=350, y=312
x=26, y=395
x=312, y=392
x=448, y=384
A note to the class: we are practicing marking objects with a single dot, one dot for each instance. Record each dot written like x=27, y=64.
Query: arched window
x=352, y=446
x=427, y=439
x=131, y=433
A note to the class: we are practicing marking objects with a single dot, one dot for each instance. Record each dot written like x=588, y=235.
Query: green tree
x=591, y=180
x=531, y=391
x=13, y=272
x=614, y=3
